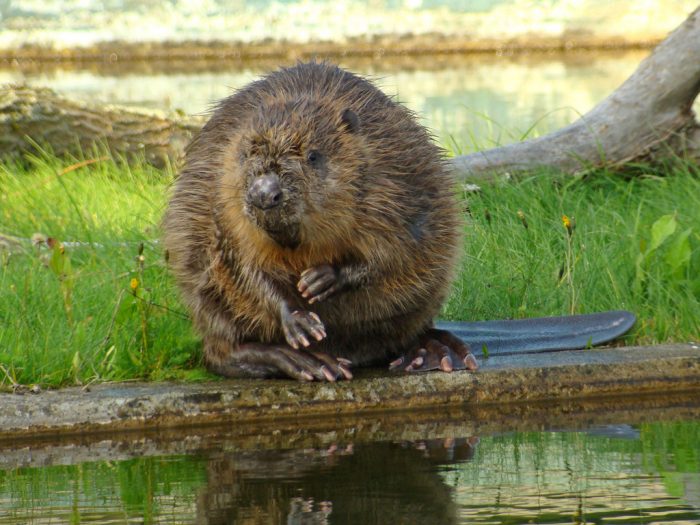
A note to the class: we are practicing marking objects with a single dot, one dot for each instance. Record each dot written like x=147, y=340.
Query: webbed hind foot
x=436, y=350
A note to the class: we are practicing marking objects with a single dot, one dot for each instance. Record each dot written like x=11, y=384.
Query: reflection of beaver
x=314, y=225
x=370, y=483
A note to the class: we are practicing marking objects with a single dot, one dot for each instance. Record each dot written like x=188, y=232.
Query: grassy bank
x=108, y=310
x=549, y=245
x=105, y=310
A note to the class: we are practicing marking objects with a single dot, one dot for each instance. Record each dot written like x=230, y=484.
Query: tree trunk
x=31, y=119
x=648, y=116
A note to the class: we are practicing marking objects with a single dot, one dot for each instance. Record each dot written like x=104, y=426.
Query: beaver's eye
x=313, y=157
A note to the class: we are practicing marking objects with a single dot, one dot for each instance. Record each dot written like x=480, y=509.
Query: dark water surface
x=644, y=472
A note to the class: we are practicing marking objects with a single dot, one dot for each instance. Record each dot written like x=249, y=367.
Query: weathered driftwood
x=649, y=115
x=34, y=118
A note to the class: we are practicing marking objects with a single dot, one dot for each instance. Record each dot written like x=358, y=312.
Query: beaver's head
x=297, y=170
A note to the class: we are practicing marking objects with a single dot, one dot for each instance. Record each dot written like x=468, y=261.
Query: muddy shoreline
x=402, y=51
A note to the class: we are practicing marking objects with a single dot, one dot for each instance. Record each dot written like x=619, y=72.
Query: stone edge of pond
x=501, y=379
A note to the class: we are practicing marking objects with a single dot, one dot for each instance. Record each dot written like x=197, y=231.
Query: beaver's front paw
x=320, y=282
x=298, y=324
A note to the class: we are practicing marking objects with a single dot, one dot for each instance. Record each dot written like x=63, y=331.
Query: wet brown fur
x=385, y=209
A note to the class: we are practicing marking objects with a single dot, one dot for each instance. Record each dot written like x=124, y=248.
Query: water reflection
x=651, y=474
x=478, y=101
x=382, y=483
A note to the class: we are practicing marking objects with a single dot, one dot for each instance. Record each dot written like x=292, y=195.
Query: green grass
x=108, y=310
x=634, y=245
x=74, y=317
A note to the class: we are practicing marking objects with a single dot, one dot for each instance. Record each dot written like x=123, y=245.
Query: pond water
x=620, y=473
x=475, y=101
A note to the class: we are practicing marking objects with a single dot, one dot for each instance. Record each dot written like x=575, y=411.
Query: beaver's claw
x=319, y=283
x=436, y=350
x=300, y=324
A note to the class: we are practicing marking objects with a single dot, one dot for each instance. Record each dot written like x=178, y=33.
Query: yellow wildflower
x=568, y=224
x=134, y=283
x=521, y=216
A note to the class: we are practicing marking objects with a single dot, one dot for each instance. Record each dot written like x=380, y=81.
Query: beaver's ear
x=350, y=120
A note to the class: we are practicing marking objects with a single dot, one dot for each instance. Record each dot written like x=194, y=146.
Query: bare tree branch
x=650, y=109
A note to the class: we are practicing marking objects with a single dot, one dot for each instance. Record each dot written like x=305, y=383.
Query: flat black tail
x=542, y=334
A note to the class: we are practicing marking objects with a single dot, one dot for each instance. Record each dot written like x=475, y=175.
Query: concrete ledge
x=327, y=433
x=503, y=379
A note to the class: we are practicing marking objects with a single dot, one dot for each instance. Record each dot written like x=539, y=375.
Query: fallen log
x=32, y=119
x=649, y=116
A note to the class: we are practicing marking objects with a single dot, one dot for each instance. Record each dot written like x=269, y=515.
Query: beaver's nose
x=265, y=192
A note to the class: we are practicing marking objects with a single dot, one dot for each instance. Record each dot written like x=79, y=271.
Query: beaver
x=314, y=227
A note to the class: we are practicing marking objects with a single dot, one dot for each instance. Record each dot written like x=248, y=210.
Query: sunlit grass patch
x=69, y=312
x=632, y=242
x=86, y=295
